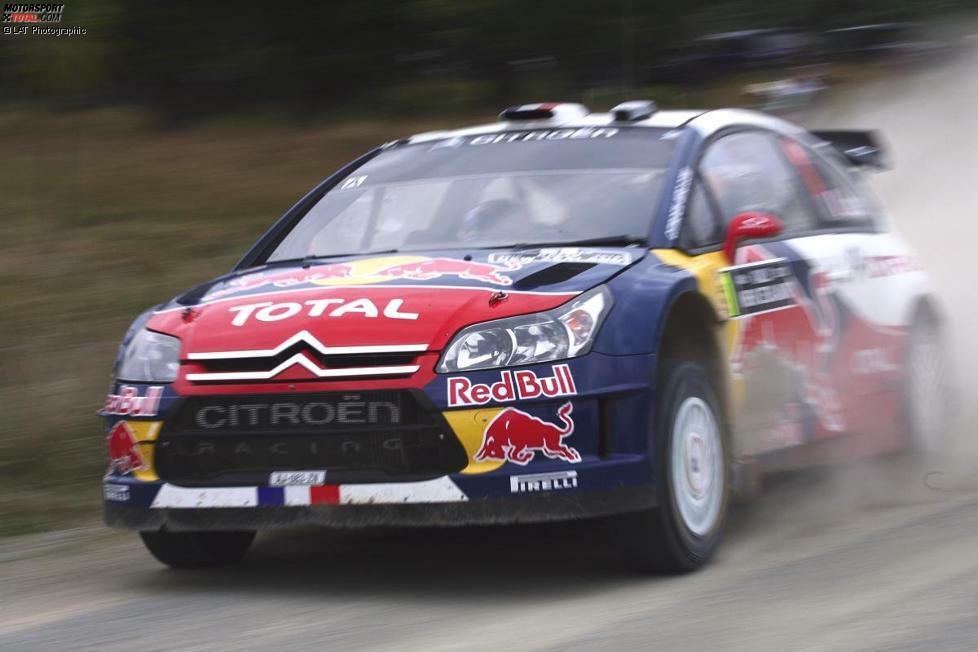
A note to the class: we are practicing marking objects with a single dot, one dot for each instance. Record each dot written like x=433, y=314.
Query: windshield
x=491, y=190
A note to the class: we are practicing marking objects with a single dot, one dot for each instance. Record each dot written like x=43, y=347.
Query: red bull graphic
x=803, y=332
x=465, y=269
x=281, y=280
x=523, y=384
x=124, y=455
x=337, y=270
x=515, y=436
x=368, y=271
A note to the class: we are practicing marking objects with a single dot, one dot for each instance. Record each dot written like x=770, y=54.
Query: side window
x=745, y=171
x=832, y=189
x=700, y=226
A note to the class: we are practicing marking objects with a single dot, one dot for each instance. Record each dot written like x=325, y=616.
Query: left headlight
x=564, y=332
x=150, y=358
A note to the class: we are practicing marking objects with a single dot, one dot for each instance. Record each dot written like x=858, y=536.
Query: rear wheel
x=197, y=549
x=681, y=534
x=926, y=389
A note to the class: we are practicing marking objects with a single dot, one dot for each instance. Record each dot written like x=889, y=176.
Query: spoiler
x=861, y=148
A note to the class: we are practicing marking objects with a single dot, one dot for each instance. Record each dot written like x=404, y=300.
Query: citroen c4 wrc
x=560, y=315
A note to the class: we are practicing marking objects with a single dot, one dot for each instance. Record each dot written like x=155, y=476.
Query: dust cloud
x=929, y=119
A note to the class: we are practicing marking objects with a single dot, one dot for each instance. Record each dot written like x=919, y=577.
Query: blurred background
x=145, y=155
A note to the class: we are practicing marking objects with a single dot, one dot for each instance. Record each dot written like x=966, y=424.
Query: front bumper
x=577, y=451
x=480, y=511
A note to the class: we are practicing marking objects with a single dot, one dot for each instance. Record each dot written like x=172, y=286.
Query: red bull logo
x=465, y=269
x=515, y=436
x=337, y=270
x=128, y=402
x=512, y=386
x=124, y=455
x=283, y=280
x=369, y=271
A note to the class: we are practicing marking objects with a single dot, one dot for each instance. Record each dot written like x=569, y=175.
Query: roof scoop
x=634, y=111
x=561, y=111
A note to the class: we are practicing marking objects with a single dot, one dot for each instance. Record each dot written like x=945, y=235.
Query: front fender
x=643, y=295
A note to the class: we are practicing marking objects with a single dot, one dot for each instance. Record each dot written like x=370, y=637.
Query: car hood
x=377, y=302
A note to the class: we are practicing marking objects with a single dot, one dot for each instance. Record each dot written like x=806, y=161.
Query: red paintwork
x=441, y=313
x=751, y=224
x=809, y=334
x=124, y=455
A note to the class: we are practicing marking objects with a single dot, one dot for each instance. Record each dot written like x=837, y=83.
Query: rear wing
x=861, y=148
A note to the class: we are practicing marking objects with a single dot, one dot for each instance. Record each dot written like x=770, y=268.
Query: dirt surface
x=805, y=568
x=879, y=555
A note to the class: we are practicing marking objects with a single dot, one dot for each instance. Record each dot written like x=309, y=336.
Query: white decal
x=296, y=478
x=270, y=312
x=128, y=402
x=555, y=134
x=871, y=361
x=513, y=386
x=683, y=181
x=437, y=490
x=117, y=493
x=563, y=255
x=524, y=484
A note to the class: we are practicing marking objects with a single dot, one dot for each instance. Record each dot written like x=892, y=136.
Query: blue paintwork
x=618, y=372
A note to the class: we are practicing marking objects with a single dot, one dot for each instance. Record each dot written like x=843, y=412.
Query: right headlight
x=150, y=357
x=564, y=332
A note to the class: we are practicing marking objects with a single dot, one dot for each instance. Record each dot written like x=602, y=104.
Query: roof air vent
x=634, y=111
x=545, y=111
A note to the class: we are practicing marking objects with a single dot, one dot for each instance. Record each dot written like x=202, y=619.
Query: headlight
x=564, y=332
x=150, y=358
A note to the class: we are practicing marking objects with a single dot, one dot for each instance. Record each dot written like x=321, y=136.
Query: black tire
x=197, y=549
x=659, y=540
x=928, y=401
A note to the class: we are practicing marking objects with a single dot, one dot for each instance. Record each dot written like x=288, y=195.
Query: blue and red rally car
x=560, y=315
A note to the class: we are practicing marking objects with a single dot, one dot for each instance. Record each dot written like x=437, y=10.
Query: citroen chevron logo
x=307, y=338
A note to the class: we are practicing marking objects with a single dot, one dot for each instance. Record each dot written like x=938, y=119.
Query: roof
x=661, y=119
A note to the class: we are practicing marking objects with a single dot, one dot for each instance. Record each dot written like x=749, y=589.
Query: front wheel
x=690, y=459
x=197, y=549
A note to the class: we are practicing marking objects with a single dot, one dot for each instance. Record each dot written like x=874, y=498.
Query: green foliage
x=184, y=60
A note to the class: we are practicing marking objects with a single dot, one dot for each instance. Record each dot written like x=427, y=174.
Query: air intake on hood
x=552, y=275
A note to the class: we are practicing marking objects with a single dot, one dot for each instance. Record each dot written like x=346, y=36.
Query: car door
x=777, y=295
x=873, y=279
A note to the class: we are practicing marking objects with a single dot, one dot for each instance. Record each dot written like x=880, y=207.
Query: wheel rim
x=925, y=369
x=697, y=465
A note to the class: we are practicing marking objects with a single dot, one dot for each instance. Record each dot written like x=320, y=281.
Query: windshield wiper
x=605, y=241
x=313, y=258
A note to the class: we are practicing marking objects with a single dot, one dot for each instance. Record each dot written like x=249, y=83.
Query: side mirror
x=749, y=225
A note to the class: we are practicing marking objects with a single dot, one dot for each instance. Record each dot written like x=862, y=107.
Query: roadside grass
x=104, y=214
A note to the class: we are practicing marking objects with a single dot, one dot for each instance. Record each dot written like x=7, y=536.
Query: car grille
x=354, y=437
x=303, y=354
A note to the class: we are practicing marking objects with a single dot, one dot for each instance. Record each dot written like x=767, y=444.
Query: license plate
x=296, y=478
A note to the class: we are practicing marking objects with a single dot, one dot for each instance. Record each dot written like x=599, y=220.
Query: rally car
x=560, y=315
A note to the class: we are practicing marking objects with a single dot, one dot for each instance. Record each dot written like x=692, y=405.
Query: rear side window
x=745, y=171
x=832, y=188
